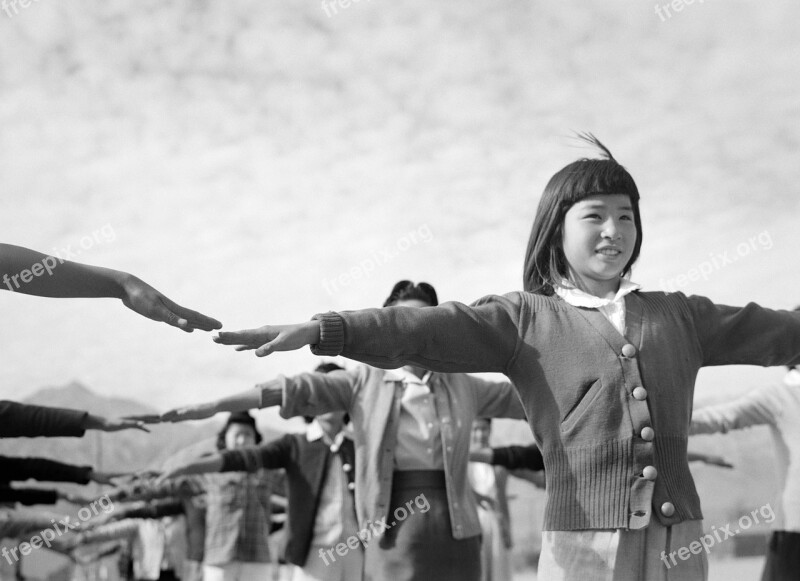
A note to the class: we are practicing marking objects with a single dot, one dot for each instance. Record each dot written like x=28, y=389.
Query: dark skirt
x=420, y=546
x=783, y=557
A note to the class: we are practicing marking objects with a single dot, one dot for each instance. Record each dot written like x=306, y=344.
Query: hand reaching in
x=268, y=339
x=148, y=302
x=107, y=477
x=192, y=412
x=94, y=422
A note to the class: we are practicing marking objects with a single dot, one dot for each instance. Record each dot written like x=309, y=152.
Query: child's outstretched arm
x=452, y=337
x=708, y=459
x=749, y=335
x=204, y=465
x=29, y=272
x=244, y=400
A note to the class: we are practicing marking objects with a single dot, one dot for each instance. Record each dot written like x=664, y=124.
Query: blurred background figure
x=489, y=484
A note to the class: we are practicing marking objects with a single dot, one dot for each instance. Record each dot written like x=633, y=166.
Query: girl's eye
x=593, y=216
x=626, y=217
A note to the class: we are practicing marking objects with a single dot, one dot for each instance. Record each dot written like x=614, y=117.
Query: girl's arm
x=513, y=457
x=708, y=459
x=24, y=420
x=211, y=463
x=758, y=407
x=750, y=335
x=452, y=337
x=276, y=454
x=501, y=480
x=238, y=402
x=29, y=272
x=304, y=394
x=496, y=399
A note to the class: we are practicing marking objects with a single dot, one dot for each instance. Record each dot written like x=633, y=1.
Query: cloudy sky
x=265, y=161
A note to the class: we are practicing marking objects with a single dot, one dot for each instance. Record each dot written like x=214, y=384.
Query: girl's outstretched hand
x=195, y=412
x=148, y=302
x=94, y=422
x=268, y=339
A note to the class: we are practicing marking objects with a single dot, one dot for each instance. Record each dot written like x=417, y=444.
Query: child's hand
x=268, y=339
x=94, y=422
x=147, y=301
x=196, y=412
x=107, y=477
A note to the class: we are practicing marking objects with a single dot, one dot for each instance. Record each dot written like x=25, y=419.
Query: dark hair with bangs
x=545, y=264
x=405, y=290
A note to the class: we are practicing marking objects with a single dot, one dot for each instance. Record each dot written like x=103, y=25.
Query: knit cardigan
x=611, y=413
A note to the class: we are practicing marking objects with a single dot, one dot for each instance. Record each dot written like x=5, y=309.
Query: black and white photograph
x=362, y=290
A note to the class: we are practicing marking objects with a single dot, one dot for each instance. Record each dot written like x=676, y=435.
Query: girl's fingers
x=267, y=348
x=190, y=318
x=229, y=338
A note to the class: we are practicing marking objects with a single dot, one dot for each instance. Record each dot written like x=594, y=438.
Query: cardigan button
x=667, y=509
x=640, y=393
x=346, y=467
x=650, y=472
x=351, y=486
x=648, y=434
x=628, y=350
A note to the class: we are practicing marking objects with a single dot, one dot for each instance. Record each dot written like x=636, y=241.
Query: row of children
x=603, y=372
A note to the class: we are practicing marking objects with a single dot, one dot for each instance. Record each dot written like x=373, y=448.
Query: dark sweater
x=588, y=392
x=21, y=420
x=15, y=468
x=306, y=464
x=513, y=457
x=27, y=496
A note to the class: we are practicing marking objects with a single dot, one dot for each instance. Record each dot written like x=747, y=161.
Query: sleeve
x=450, y=338
x=15, y=524
x=28, y=496
x=182, y=487
x=12, y=468
x=124, y=529
x=750, y=335
x=21, y=420
x=496, y=399
x=758, y=407
x=513, y=457
x=153, y=510
x=312, y=394
x=275, y=454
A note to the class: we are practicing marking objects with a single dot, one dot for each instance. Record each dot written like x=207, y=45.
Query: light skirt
x=653, y=553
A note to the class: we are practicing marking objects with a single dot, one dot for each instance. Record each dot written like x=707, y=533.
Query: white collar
x=792, y=378
x=404, y=375
x=578, y=298
x=315, y=432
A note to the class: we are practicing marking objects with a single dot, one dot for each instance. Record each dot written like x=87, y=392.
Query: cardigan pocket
x=591, y=393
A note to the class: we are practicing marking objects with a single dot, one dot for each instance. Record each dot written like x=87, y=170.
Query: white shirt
x=612, y=309
x=335, y=510
x=419, y=442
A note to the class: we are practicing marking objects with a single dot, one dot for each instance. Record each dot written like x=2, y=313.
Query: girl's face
x=481, y=429
x=239, y=436
x=599, y=235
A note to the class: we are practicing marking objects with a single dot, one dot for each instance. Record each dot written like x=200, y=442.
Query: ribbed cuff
x=331, y=335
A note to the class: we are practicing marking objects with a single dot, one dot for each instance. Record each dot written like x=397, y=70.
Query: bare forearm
x=34, y=273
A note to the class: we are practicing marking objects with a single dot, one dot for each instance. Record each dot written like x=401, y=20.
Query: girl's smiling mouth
x=610, y=251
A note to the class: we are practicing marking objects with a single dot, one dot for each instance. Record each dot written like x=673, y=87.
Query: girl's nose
x=611, y=230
